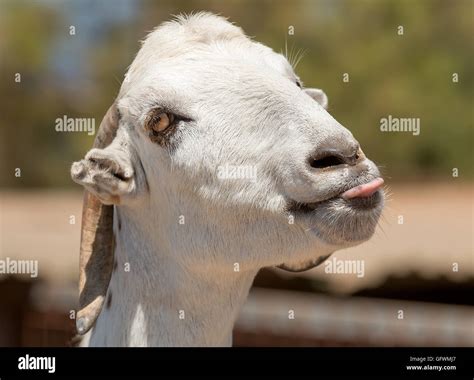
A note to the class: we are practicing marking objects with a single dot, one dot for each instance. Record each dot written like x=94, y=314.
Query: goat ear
x=97, y=242
x=318, y=95
x=107, y=173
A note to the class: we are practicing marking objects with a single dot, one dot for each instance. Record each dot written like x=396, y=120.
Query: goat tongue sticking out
x=363, y=191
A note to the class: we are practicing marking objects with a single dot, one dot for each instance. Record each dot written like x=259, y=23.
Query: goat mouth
x=362, y=197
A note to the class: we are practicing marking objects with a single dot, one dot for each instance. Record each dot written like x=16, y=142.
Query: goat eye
x=298, y=83
x=160, y=121
x=160, y=126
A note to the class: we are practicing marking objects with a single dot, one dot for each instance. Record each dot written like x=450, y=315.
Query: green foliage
x=407, y=75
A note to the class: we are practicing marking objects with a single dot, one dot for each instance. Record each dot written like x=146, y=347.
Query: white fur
x=246, y=110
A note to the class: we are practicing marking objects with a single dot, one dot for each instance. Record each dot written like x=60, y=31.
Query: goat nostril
x=335, y=157
x=326, y=161
x=359, y=156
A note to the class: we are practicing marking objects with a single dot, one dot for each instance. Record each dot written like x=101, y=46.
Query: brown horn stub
x=97, y=241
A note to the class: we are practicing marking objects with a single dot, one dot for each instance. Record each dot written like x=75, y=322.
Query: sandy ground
x=436, y=232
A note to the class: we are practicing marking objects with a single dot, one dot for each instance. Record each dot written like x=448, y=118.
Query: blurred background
x=70, y=57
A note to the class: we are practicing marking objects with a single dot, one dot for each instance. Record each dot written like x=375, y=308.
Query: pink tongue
x=365, y=190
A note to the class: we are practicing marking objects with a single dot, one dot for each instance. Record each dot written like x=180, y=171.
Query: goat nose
x=329, y=157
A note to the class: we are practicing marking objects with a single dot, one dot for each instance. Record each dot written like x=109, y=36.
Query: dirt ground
x=437, y=231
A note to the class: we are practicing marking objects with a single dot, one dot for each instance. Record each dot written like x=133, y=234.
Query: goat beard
x=304, y=266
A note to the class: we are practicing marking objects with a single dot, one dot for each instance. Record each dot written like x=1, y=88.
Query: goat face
x=217, y=130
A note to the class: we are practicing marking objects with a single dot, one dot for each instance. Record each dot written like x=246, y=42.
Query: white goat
x=217, y=163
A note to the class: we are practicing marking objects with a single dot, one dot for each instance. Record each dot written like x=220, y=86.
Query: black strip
x=316, y=363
